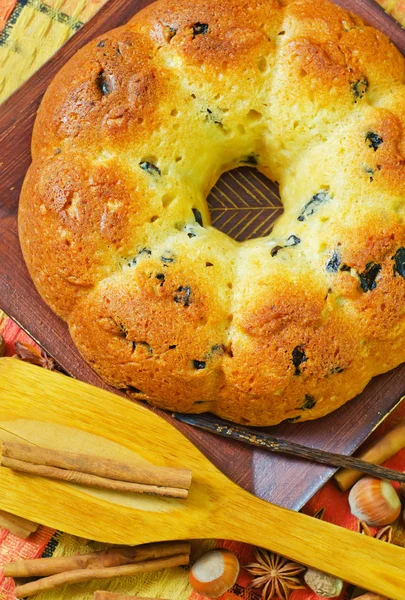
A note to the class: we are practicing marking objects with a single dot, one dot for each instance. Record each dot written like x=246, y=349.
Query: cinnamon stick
x=391, y=443
x=103, y=467
x=91, y=480
x=62, y=579
x=113, y=557
x=17, y=525
x=112, y=596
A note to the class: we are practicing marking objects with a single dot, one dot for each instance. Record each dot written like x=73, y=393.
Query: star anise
x=384, y=534
x=30, y=353
x=319, y=514
x=277, y=575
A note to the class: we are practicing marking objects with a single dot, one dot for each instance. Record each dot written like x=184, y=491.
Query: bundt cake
x=114, y=226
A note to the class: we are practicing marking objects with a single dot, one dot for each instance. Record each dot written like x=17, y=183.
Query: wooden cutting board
x=244, y=204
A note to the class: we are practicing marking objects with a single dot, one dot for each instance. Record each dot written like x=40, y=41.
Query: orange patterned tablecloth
x=30, y=32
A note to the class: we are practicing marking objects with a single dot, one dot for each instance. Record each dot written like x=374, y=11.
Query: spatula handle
x=364, y=561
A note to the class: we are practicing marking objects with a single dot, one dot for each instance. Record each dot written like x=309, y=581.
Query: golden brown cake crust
x=115, y=229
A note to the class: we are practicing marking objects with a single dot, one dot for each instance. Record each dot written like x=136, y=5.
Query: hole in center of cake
x=244, y=204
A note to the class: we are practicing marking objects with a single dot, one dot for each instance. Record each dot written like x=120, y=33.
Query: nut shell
x=374, y=501
x=322, y=584
x=214, y=573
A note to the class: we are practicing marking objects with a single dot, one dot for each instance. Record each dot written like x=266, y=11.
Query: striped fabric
x=32, y=31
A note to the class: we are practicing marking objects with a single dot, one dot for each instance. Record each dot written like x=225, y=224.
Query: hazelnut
x=374, y=501
x=214, y=573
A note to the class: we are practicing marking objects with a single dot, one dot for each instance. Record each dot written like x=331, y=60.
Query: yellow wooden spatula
x=50, y=409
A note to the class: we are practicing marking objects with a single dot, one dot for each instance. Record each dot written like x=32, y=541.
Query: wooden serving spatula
x=52, y=410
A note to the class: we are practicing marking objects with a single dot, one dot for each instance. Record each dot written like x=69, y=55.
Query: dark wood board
x=281, y=480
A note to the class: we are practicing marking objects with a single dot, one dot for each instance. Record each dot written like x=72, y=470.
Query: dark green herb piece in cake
x=370, y=172
x=293, y=240
x=309, y=402
x=199, y=29
x=359, y=88
x=368, y=276
x=144, y=252
x=183, y=295
x=332, y=266
x=199, y=364
x=312, y=206
x=167, y=259
x=149, y=168
x=198, y=216
x=103, y=84
x=374, y=140
x=298, y=357
x=399, y=266
x=160, y=277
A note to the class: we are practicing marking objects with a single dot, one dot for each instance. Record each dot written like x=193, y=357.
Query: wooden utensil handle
x=358, y=559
